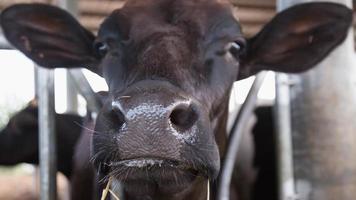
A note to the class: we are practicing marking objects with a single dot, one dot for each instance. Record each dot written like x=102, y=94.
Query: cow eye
x=237, y=48
x=101, y=48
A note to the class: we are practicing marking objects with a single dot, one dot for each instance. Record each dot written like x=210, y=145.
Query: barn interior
x=22, y=182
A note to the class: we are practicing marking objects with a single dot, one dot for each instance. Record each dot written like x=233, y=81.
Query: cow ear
x=296, y=39
x=49, y=36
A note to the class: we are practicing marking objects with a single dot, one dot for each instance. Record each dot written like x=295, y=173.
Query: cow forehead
x=167, y=39
x=139, y=19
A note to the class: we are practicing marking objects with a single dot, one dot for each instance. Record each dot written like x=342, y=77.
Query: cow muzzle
x=154, y=128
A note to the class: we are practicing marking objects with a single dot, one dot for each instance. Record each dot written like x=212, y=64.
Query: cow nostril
x=183, y=117
x=117, y=117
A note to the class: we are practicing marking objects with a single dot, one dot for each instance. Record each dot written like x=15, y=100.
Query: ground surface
x=26, y=187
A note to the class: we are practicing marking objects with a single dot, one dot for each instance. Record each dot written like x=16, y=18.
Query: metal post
x=284, y=149
x=323, y=111
x=70, y=5
x=47, y=138
x=284, y=139
x=35, y=75
x=48, y=158
x=72, y=94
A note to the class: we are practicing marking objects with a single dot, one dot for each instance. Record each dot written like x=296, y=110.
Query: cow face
x=169, y=65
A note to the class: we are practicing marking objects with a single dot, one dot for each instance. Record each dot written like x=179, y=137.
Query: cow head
x=169, y=65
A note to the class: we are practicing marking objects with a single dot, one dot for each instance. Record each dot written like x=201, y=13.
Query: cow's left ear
x=49, y=36
x=296, y=39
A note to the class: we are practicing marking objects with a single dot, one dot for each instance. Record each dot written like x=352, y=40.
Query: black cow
x=265, y=160
x=19, y=139
x=170, y=65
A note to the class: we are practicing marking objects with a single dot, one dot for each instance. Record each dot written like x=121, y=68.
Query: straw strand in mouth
x=114, y=195
x=208, y=190
x=107, y=190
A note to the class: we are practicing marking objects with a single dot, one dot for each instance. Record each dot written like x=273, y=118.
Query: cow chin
x=147, y=176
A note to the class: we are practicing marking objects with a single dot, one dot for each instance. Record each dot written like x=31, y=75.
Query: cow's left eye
x=101, y=48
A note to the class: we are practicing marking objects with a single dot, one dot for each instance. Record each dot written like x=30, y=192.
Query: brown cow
x=170, y=65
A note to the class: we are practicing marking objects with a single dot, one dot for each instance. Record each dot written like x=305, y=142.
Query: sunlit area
x=18, y=88
x=266, y=94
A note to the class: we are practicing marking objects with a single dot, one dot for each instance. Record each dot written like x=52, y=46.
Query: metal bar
x=47, y=138
x=284, y=149
x=35, y=75
x=69, y=5
x=72, y=94
x=85, y=89
x=48, y=158
x=241, y=119
x=284, y=139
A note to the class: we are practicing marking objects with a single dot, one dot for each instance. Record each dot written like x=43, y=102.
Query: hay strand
x=114, y=195
x=208, y=191
x=106, y=190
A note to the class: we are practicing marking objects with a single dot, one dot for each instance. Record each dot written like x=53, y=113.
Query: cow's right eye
x=101, y=48
x=237, y=48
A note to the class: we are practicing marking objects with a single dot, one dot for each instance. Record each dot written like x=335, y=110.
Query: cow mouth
x=154, y=164
x=154, y=174
x=145, y=163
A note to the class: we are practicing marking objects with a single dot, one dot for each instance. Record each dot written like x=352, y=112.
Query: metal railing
x=283, y=136
x=235, y=135
x=47, y=134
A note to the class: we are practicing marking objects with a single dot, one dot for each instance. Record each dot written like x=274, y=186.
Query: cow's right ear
x=49, y=36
